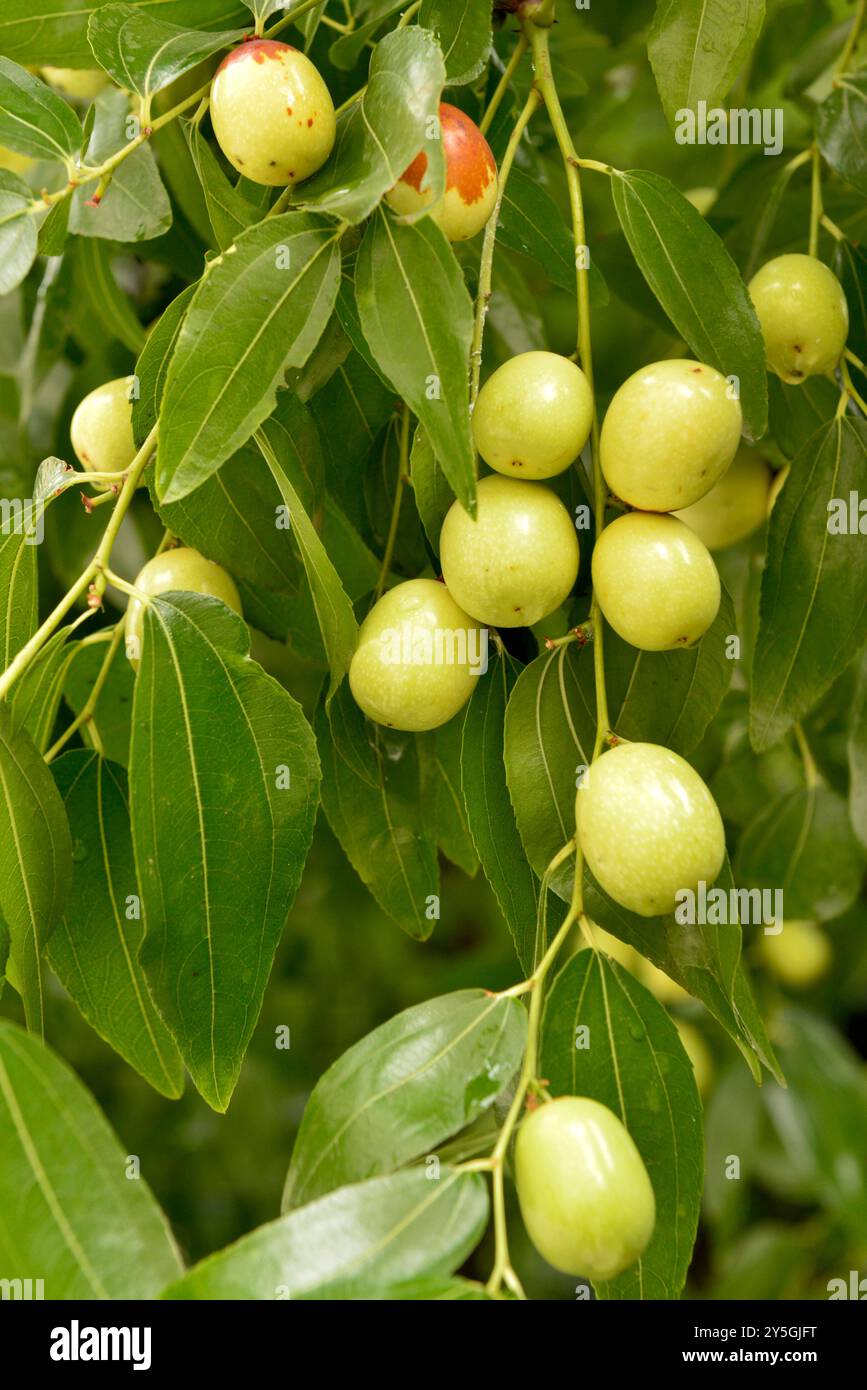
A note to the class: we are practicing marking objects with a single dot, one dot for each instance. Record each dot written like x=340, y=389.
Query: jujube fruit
x=648, y=827
x=670, y=432
x=414, y=664
x=698, y=1053
x=735, y=507
x=471, y=179
x=803, y=315
x=176, y=570
x=101, y=429
x=533, y=415
x=80, y=83
x=799, y=955
x=516, y=560
x=585, y=1196
x=272, y=113
x=661, y=986
x=655, y=581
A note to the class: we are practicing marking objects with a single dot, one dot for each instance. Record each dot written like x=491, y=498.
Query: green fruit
x=799, y=955
x=14, y=162
x=777, y=486
x=804, y=316
x=612, y=946
x=670, y=433
x=655, y=581
x=176, y=570
x=735, y=506
x=418, y=657
x=517, y=560
x=698, y=1053
x=648, y=826
x=101, y=429
x=702, y=198
x=81, y=83
x=471, y=179
x=272, y=113
x=661, y=986
x=585, y=1196
x=533, y=415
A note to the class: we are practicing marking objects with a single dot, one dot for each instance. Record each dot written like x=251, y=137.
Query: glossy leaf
x=463, y=31
x=135, y=206
x=55, y=31
x=229, y=212
x=107, y=303
x=94, y=950
x=532, y=223
x=18, y=236
x=398, y=1093
x=259, y=309
x=34, y=120
x=381, y=133
x=35, y=697
x=698, y=47
x=153, y=364
x=143, y=53
x=345, y=51
x=417, y=319
x=440, y=755
x=382, y=1232
x=221, y=758
x=112, y=718
x=371, y=797
x=433, y=495
x=35, y=860
x=803, y=844
x=605, y=1036
x=841, y=129
x=814, y=585
x=18, y=596
x=696, y=282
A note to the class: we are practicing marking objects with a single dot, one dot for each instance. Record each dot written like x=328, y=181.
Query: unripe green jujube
x=736, y=506
x=180, y=569
x=803, y=314
x=101, y=429
x=418, y=657
x=648, y=827
x=669, y=434
x=516, y=560
x=799, y=955
x=655, y=581
x=80, y=83
x=586, y=1199
x=533, y=415
x=272, y=113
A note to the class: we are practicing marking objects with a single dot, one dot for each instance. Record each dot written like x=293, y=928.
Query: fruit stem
x=850, y=389
x=93, y=572
x=486, y=264
x=503, y=85
x=816, y=208
x=539, y=43
x=852, y=38
x=86, y=713
x=402, y=473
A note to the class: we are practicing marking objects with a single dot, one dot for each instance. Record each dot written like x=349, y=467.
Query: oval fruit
x=533, y=415
x=101, y=429
x=736, y=506
x=176, y=570
x=803, y=315
x=471, y=179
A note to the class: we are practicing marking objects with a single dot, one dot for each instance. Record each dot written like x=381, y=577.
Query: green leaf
x=802, y=843
x=34, y=120
x=814, y=585
x=463, y=31
x=94, y=951
x=55, y=31
x=371, y=797
x=696, y=282
x=379, y=135
x=418, y=321
x=136, y=206
x=655, y=697
x=332, y=605
x=153, y=364
x=229, y=212
x=605, y=1036
x=841, y=128
x=796, y=412
x=18, y=235
x=440, y=755
x=532, y=223
x=111, y=721
x=351, y=410
x=35, y=697
x=346, y=51
x=259, y=309
x=143, y=54
x=433, y=495
x=107, y=303
x=71, y=1216
x=35, y=860
x=381, y=1232
x=18, y=595
x=222, y=760
x=698, y=47
x=399, y=1092
x=489, y=811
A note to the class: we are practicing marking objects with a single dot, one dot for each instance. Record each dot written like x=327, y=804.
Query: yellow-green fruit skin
x=81, y=83
x=418, y=657
x=777, y=486
x=14, y=162
x=176, y=570
x=533, y=415
x=803, y=314
x=698, y=1053
x=669, y=434
x=516, y=560
x=702, y=198
x=799, y=955
x=648, y=827
x=471, y=182
x=101, y=429
x=661, y=986
x=272, y=113
x=655, y=581
x=735, y=507
x=586, y=1199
